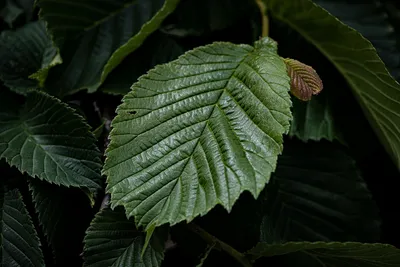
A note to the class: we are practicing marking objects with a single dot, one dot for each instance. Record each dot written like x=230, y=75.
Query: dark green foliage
x=199, y=133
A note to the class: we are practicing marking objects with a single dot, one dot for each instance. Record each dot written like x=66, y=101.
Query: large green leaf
x=46, y=139
x=64, y=215
x=19, y=243
x=22, y=53
x=159, y=48
x=199, y=131
x=358, y=61
x=112, y=240
x=331, y=254
x=94, y=37
x=317, y=194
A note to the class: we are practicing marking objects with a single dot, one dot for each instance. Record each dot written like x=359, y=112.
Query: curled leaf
x=304, y=80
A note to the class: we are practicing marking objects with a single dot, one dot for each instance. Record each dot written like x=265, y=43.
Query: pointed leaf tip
x=304, y=80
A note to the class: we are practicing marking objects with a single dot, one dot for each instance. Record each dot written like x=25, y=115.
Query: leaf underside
x=19, y=243
x=331, y=254
x=94, y=37
x=357, y=60
x=112, y=240
x=199, y=131
x=46, y=139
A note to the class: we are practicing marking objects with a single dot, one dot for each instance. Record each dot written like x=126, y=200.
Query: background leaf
x=375, y=20
x=355, y=57
x=317, y=194
x=64, y=215
x=11, y=11
x=180, y=143
x=200, y=17
x=158, y=48
x=351, y=125
x=22, y=53
x=333, y=254
x=46, y=139
x=18, y=240
x=94, y=37
x=313, y=120
x=112, y=240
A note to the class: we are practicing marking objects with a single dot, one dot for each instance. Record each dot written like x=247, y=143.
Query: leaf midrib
x=223, y=90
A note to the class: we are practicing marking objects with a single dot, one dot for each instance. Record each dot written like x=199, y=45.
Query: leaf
x=19, y=242
x=317, y=194
x=376, y=21
x=157, y=49
x=22, y=53
x=304, y=80
x=205, y=255
x=331, y=254
x=95, y=37
x=46, y=139
x=64, y=215
x=200, y=17
x=356, y=59
x=112, y=240
x=199, y=131
x=313, y=120
x=13, y=10
x=98, y=131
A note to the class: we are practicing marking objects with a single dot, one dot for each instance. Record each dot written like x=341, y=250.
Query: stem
x=212, y=240
x=264, y=18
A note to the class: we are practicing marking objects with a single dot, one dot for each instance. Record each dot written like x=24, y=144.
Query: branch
x=212, y=240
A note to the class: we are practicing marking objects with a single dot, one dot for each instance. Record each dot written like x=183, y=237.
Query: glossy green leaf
x=46, y=139
x=331, y=254
x=199, y=131
x=64, y=214
x=317, y=194
x=22, y=53
x=94, y=37
x=357, y=60
x=112, y=240
x=19, y=243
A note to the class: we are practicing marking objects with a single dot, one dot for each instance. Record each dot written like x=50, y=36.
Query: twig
x=264, y=18
x=210, y=239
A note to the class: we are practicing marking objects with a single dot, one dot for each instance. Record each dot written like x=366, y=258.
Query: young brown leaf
x=304, y=80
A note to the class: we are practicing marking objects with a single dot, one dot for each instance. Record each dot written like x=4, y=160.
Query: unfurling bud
x=304, y=80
